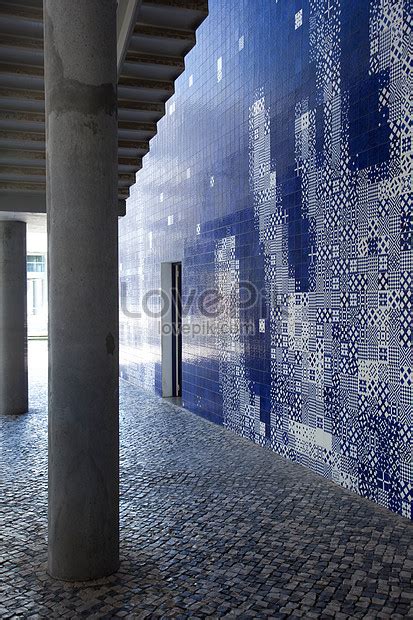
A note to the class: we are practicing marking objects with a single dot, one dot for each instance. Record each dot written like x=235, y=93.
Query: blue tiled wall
x=284, y=162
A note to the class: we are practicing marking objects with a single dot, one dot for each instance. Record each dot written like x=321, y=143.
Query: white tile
x=219, y=69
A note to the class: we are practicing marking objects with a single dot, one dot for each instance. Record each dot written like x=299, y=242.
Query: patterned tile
x=298, y=142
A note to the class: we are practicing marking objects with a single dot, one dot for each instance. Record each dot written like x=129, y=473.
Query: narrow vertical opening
x=171, y=331
x=176, y=330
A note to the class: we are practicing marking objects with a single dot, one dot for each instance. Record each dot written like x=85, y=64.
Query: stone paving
x=212, y=526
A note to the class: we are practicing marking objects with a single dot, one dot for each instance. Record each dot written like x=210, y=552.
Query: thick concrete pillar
x=13, y=318
x=81, y=133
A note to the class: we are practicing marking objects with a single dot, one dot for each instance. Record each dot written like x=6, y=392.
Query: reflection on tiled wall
x=282, y=172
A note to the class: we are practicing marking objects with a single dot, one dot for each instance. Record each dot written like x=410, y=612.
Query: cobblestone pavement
x=212, y=527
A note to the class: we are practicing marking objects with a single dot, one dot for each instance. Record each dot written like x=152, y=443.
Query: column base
x=85, y=577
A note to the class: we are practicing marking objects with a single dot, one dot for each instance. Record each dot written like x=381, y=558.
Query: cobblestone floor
x=212, y=527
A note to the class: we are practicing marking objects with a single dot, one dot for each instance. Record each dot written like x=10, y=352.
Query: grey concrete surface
x=212, y=526
x=13, y=318
x=81, y=129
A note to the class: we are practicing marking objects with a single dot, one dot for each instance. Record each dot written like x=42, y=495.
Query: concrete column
x=13, y=318
x=81, y=133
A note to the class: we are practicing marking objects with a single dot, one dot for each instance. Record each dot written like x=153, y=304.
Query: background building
x=36, y=284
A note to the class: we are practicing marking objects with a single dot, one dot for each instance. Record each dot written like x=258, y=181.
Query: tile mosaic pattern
x=293, y=119
x=212, y=526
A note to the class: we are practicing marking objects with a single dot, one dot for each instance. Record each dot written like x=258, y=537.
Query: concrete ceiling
x=153, y=38
x=36, y=222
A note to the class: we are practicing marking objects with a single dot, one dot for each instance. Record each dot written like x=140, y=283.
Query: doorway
x=171, y=331
x=176, y=330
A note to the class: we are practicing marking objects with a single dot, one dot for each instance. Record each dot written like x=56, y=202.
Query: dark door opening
x=176, y=330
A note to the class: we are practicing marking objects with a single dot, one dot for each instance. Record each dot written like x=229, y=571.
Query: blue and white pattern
x=298, y=144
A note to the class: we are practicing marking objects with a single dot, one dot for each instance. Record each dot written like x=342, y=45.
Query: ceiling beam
x=20, y=43
x=126, y=16
x=22, y=13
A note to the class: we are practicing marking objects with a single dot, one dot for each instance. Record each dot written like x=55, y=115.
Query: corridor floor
x=212, y=526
